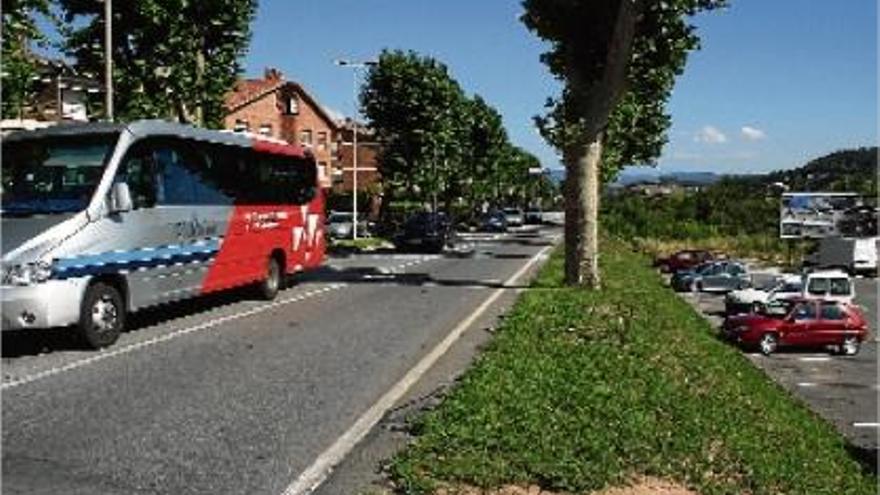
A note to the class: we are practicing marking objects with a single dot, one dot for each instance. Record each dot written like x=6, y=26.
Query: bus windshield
x=53, y=175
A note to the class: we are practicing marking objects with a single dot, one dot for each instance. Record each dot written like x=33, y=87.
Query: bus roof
x=144, y=128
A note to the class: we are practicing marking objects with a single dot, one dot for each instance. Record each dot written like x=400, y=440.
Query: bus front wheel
x=102, y=316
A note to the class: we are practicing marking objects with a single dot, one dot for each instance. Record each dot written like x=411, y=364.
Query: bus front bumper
x=54, y=303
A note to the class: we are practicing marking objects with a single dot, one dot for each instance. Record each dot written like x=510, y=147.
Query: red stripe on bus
x=278, y=148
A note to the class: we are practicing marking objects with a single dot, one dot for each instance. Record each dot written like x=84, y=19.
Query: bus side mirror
x=120, y=198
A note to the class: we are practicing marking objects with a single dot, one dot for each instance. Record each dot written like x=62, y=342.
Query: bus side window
x=139, y=172
x=207, y=176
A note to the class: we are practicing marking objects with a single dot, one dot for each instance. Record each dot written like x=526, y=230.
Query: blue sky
x=776, y=83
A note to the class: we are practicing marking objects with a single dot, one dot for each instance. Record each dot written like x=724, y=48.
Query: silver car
x=340, y=225
x=721, y=276
x=514, y=216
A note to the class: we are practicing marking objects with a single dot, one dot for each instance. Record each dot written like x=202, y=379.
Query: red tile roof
x=248, y=90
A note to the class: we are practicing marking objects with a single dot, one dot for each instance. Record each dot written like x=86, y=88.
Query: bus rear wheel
x=270, y=285
x=102, y=316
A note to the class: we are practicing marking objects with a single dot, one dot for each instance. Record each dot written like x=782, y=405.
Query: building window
x=266, y=129
x=322, y=141
x=241, y=126
x=292, y=105
x=305, y=137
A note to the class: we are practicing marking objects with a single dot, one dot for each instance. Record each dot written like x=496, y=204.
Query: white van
x=865, y=256
x=829, y=285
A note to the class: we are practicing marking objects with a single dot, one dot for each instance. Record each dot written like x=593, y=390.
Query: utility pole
x=108, y=59
x=354, y=139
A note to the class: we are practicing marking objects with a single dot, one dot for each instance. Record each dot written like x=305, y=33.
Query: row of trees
x=171, y=58
x=441, y=145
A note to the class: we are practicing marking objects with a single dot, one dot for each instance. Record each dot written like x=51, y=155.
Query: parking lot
x=843, y=390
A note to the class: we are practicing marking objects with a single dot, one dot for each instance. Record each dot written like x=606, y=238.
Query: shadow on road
x=20, y=343
x=372, y=275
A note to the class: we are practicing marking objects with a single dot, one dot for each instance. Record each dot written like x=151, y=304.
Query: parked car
x=340, y=225
x=751, y=299
x=683, y=260
x=494, y=222
x=800, y=323
x=514, y=217
x=534, y=216
x=715, y=276
x=833, y=285
x=426, y=231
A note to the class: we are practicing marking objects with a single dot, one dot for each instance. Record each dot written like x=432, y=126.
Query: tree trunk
x=582, y=215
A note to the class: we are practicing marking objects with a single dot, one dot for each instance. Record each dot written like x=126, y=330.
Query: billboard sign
x=814, y=215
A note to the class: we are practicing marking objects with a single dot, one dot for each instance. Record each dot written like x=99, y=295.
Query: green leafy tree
x=171, y=58
x=19, y=32
x=488, y=148
x=618, y=60
x=419, y=114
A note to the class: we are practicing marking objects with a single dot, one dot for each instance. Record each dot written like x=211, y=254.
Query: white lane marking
x=807, y=384
x=318, y=471
x=866, y=425
x=107, y=354
x=814, y=359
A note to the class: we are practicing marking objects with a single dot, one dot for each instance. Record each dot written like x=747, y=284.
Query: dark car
x=800, y=323
x=425, y=231
x=494, y=222
x=534, y=216
x=684, y=280
x=683, y=260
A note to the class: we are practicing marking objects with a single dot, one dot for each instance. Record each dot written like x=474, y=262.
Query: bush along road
x=582, y=390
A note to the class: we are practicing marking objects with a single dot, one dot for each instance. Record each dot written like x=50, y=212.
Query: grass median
x=582, y=390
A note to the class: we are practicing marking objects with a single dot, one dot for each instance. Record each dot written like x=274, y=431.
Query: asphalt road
x=231, y=395
x=841, y=389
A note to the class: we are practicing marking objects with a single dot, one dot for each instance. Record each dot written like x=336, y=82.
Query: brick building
x=368, y=151
x=275, y=107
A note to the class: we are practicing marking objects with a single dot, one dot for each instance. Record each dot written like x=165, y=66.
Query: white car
x=829, y=285
x=779, y=288
x=514, y=217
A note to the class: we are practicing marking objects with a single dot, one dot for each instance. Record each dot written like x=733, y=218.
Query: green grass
x=360, y=243
x=581, y=390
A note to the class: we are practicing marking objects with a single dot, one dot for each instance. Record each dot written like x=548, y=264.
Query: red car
x=683, y=260
x=800, y=323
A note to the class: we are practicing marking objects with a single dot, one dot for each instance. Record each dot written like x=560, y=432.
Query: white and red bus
x=100, y=220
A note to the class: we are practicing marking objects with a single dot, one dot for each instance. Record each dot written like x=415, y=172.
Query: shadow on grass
x=865, y=456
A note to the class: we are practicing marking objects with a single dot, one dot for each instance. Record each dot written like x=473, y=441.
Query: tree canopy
x=436, y=139
x=19, y=31
x=172, y=58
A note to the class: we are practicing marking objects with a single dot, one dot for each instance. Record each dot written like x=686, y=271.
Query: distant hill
x=852, y=170
x=654, y=177
x=690, y=178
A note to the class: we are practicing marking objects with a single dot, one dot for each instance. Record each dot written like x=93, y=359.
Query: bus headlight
x=27, y=273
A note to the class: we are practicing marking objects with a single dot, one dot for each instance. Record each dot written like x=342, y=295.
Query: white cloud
x=752, y=133
x=711, y=135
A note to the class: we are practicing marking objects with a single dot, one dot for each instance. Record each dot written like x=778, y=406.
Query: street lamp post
x=354, y=140
x=108, y=59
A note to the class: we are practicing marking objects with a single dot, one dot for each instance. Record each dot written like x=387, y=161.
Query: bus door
x=168, y=238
